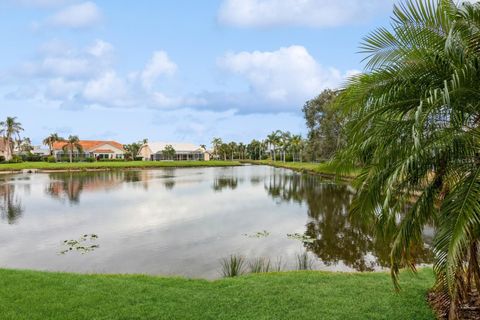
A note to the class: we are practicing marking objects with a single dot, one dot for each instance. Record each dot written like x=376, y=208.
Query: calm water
x=180, y=221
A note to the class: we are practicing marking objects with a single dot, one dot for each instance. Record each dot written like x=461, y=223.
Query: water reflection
x=11, y=208
x=338, y=239
x=221, y=183
x=180, y=221
x=70, y=185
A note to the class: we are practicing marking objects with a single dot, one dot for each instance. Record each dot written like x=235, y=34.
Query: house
x=91, y=149
x=154, y=151
x=40, y=151
x=4, y=152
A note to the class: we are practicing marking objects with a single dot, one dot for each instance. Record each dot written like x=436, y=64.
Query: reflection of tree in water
x=338, y=239
x=11, y=208
x=70, y=185
x=223, y=182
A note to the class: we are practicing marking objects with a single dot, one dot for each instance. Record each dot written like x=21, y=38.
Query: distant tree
x=25, y=145
x=169, y=152
x=274, y=139
x=254, y=149
x=10, y=130
x=296, y=147
x=72, y=144
x=133, y=149
x=216, y=143
x=325, y=126
x=50, y=141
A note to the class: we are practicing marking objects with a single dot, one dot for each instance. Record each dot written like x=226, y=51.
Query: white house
x=153, y=151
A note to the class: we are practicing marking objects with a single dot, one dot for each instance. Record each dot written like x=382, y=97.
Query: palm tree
x=50, y=141
x=296, y=144
x=415, y=131
x=274, y=139
x=72, y=144
x=216, y=143
x=10, y=130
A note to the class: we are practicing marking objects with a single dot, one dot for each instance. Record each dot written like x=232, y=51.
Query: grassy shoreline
x=324, y=169
x=291, y=295
x=14, y=167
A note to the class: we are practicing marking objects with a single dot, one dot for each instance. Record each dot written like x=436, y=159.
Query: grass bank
x=107, y=165
x=310, y=167
x=291, y=295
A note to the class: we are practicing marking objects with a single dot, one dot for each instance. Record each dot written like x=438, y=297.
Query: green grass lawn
x=112, y=165
x=319, y=168
x=291, y=295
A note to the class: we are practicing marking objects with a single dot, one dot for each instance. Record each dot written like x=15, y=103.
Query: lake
x=181, y=221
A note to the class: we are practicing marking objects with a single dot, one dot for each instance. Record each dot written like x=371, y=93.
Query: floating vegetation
x=233, y=266
x=260, y=234
x=304, y=262
x=301, y=237
x=259, y=265
x=84, y=244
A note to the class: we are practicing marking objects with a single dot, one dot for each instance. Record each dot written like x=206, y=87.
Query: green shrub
x=50, y=159
x=15, y=159
x=91, y=159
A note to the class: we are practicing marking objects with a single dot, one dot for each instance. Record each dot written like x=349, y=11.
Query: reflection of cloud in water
x=146, y=226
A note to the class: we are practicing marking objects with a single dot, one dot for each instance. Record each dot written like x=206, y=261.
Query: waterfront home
x=154, y=151
x=4, y=152
x=91, y=149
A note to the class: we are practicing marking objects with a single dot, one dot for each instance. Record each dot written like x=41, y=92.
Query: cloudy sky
x=180, y=70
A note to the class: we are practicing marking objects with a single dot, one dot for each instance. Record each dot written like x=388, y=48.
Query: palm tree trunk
x=71, y=155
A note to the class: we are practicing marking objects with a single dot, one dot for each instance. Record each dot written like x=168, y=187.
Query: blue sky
x=180, y=70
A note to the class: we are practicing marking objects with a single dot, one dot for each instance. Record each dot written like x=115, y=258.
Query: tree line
x=325, y=137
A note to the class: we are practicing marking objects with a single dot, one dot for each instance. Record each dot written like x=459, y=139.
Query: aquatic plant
x=259, y=265
x=300, y=237
x=233, y=266
x=259, y=234
x=83, y=245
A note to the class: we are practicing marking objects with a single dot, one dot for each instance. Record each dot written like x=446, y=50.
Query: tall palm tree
x=296, y=143
x=274, y=139
x=72, y=144
x=10, y=130
x=415, y=131
x=50, y=141
x=216, y=143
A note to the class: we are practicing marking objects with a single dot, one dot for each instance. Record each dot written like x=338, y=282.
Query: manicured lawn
x=292, y=295
x=112, y=165
x=319, y=168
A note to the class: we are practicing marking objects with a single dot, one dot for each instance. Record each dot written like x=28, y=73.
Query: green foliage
x=132, y=150
x=169, y=152
x=51, y=159
x=325, y=125
x=233, y=266
x=414, y=128
x=259, y=265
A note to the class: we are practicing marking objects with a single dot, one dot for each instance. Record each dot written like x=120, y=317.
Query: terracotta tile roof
x=90, y=145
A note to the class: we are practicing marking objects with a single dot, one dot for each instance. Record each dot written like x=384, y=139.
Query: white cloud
x=58, y=59
x=286, y=77
x=81, y=15
x=159, y=65
x=307, y=13
x=100, y=48
x=162, y=100
x=59, y=88
x=108, y=89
